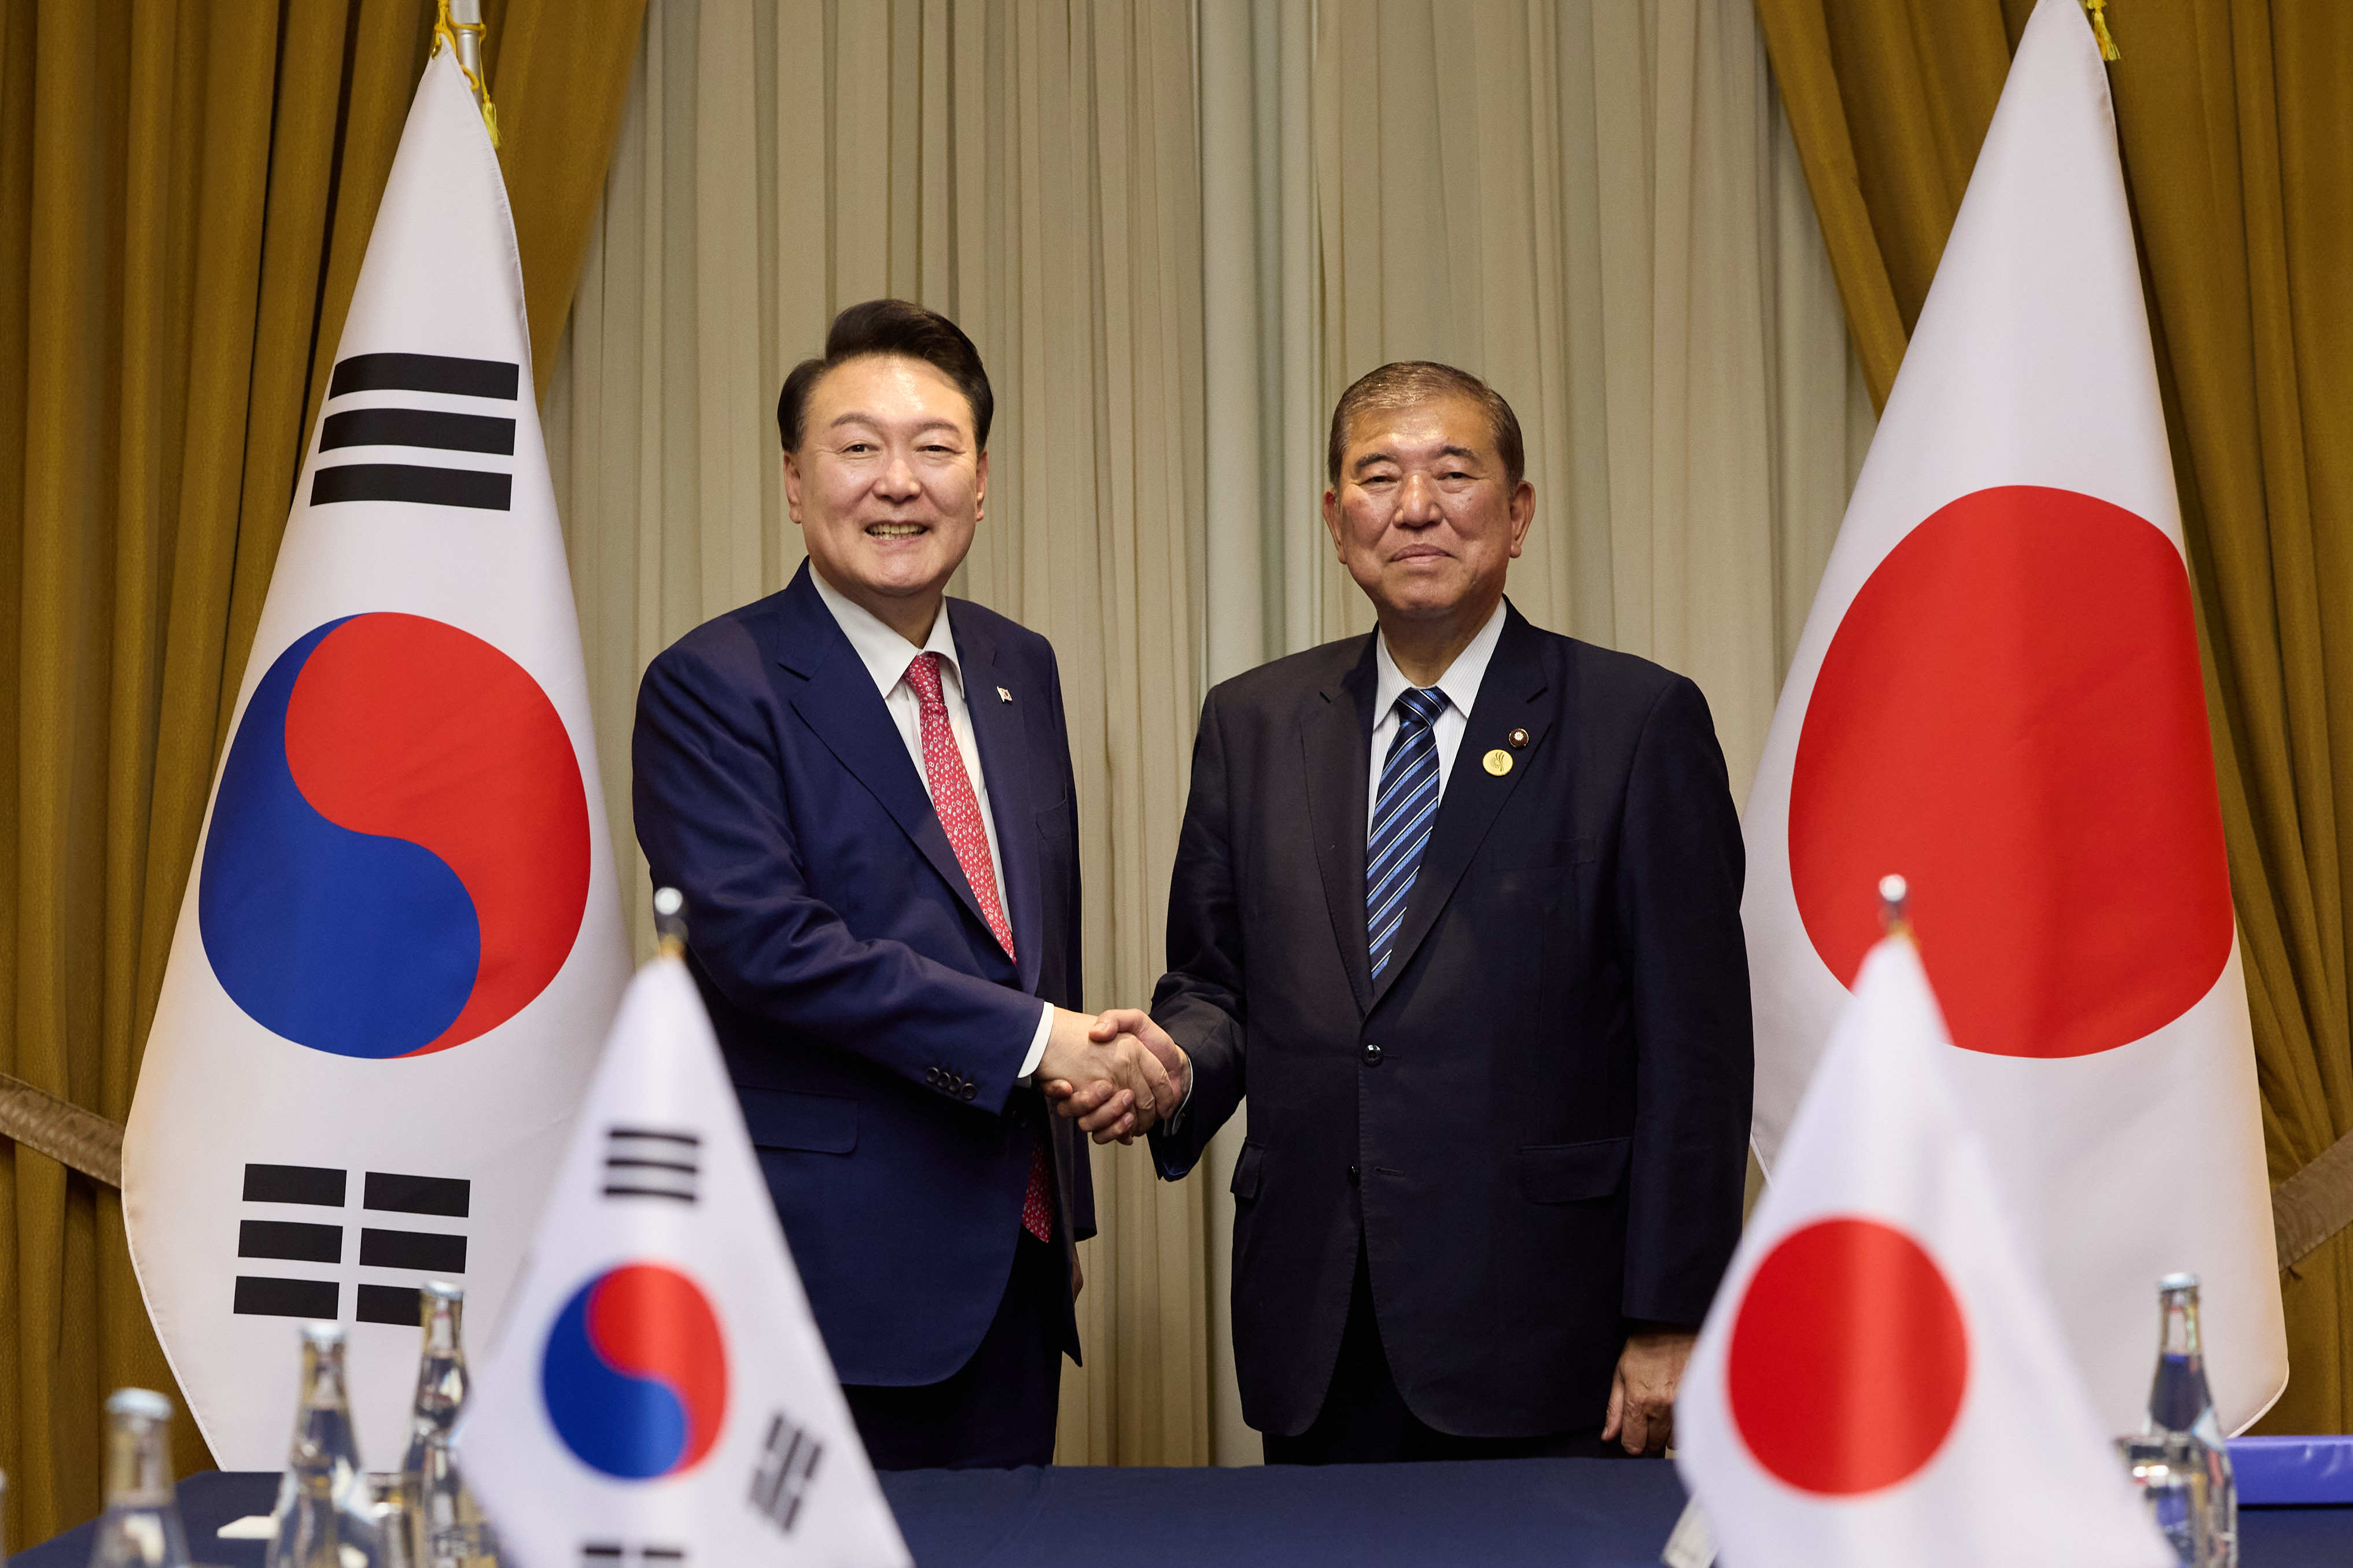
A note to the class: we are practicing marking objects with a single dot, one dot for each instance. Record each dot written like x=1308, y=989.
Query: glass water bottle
x=141, y=1527
x=2181, y=1411
x=451, y=1531
x=325, y=1506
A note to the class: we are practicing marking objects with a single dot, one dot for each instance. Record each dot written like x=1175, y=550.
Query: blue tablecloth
x=1561, y=1513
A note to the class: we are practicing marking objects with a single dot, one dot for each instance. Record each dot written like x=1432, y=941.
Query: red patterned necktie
x=959, y=814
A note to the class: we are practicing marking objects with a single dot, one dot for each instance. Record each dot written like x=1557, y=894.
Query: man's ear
x=1523, y=512
x=980, y=487
x=793, y=488
x=1332, y=523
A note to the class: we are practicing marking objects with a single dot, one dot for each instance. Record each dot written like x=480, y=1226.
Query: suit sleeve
x=1199, y=1000
x=1082, y=1186
x=709, y=797
x=1679, y=883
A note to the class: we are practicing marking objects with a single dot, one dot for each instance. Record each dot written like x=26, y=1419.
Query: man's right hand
x=1132, y=1090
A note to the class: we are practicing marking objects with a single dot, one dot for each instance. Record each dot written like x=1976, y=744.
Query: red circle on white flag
x=1849, y=1358
x=2011, y=716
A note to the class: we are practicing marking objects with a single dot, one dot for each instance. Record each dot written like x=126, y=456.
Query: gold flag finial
x=2097, y=10
x=462, y=32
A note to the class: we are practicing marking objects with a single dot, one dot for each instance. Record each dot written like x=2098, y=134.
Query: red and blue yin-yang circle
x=398, y=857
x=635, y=1372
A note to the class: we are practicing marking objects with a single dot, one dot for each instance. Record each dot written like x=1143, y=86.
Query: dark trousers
x=1365, y=1420
x=998, y=1411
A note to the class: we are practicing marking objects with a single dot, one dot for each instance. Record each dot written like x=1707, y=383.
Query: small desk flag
x=659, y=1394
x=1997, y=695
x=1881, y=1378
x=400, y=939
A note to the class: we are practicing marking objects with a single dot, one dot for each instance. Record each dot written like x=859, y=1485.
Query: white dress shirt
x=1461, y=686
x=886, y=655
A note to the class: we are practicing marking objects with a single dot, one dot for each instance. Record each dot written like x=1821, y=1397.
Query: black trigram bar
x=651, y=1162
x=409, y=482
x=788, y=1461
x=430, y=1251
x=260, y=1296
x=425, y=373
x=401, y=1304
x=608, y=1554
x=418, y=428
x=445, y=1195
x=295, y=1242
x=294, y=1185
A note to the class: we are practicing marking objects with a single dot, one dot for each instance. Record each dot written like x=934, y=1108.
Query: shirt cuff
x=1038, y=1042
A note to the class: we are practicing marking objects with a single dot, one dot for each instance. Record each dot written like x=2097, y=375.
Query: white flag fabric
x=1998, y=696
x=1881, y=1378
x=659, y=1386
x=401, y=938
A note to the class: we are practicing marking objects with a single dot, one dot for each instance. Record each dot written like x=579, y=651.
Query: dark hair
x=1411, y=380
x=889, y=327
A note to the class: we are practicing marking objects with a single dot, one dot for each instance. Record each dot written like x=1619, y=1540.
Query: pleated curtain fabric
x=2231, y=115
x=1176, y=233
x=186, y=190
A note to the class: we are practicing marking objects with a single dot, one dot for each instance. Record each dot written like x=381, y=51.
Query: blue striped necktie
x=1402, y=813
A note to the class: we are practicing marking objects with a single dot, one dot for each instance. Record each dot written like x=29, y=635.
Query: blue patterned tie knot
x=1402, y=813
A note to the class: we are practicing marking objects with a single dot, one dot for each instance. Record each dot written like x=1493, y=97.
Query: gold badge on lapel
x=1497, y=762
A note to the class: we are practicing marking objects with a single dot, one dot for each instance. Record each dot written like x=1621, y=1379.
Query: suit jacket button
x=1372, y=1053
x=968, y=1090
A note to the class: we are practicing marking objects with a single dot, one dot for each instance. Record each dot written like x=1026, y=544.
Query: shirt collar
x=1461, y=682
x=883, y=652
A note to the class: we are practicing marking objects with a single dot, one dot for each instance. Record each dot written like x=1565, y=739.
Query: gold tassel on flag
x=2097, y=11
x=464, y=39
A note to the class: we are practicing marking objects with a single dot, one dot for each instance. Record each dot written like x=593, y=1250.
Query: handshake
x=1115, y=1075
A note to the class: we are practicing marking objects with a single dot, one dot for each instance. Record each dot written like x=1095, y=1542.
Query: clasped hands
x=1115, y=1075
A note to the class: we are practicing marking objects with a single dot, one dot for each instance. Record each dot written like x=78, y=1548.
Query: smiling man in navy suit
x=864, y=789
x=1457, y=907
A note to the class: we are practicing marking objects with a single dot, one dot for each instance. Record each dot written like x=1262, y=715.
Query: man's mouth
x=894, y=530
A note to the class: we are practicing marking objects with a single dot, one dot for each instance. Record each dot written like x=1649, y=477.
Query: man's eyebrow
x=1463, y=452
x=1369, y=459
x=855, y=416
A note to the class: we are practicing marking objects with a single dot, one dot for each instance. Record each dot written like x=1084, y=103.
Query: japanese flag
x=1882, y=1378
x=1997, y=695
x=659, y=1394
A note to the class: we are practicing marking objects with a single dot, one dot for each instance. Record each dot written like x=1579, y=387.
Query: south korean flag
x=659, y=1394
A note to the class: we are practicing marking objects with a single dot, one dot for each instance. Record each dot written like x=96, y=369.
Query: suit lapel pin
x=1516, y=739
x=1497, y=761
x=1003, y=695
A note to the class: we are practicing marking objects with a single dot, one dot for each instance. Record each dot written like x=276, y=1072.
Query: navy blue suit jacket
x=1537, y=1117
x=872, y=1025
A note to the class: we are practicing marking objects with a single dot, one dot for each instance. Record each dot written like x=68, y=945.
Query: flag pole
x=460, y=25
x=1894, y=905
x=669, y=921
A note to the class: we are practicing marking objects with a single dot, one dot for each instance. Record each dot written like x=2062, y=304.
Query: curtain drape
x=2239, y=164
x=186, y=191
x=1174, y=239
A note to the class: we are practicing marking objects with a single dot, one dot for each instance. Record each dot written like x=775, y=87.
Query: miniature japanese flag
x=1997, y=691
x=658, y=1393
x=1881, y=1378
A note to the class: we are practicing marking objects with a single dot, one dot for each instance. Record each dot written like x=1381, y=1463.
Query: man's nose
x=898, y=481
x=1418, y=501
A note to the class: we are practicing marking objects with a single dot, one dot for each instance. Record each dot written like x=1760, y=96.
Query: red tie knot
x=923, y=678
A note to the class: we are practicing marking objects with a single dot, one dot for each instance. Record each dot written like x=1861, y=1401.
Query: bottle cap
x=444, y=1289
x=2179, y=1282
x=145, y=1401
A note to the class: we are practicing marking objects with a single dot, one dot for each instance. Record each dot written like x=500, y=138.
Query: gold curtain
x=186, y=191
x=2232, y=119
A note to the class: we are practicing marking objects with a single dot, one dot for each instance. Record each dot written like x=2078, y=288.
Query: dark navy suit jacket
x=872, y=1025
x=1537, y=1117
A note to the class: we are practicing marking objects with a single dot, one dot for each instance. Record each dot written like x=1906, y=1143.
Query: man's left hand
x=1642, y=1395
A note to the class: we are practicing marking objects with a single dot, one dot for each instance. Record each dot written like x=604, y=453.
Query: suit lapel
x=999, y=733
x=1507, y=701
x=1336, y=735
x=838, y=699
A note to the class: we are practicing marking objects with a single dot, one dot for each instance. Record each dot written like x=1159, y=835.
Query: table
x=1560, y=1513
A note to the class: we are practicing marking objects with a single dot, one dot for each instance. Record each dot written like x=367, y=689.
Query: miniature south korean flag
x=659, y=1394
